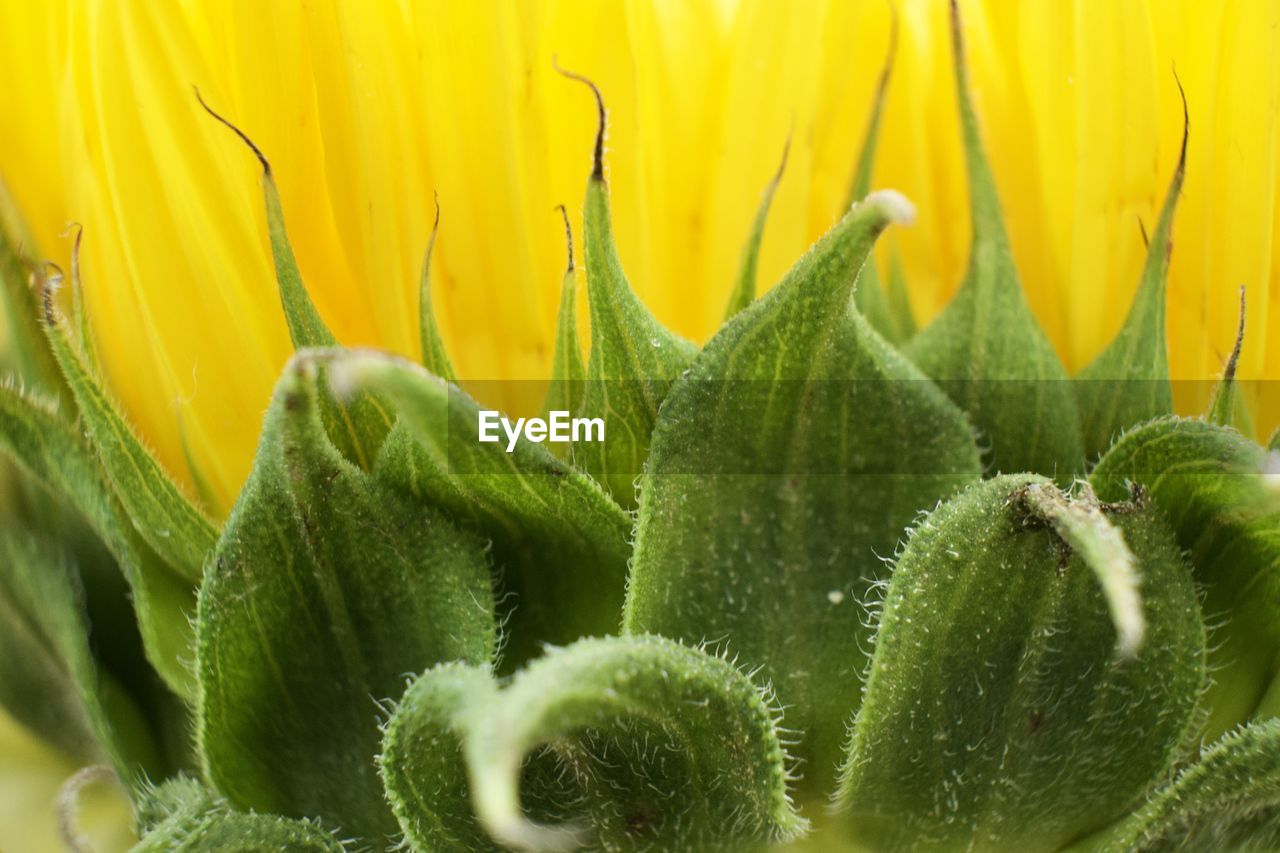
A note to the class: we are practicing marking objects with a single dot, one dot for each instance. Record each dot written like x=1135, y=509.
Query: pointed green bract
x=568, y=371
x=785, y=465
x=1228, y=800
x=358, y=426
x=1227, y=406
x=744, y=289
x=997, y=714
x=986, y=348
x=1128, y=383
x=674, y=749
x=632, y=363
x=53, y=453
x=178, y=531
x=48, y=678
x=1210, y=483
x=435, y=357
x=183, y=816
x=559, y=542
x=326, y=588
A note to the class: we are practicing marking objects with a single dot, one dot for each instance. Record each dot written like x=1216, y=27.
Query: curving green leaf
x=633, y=359
x=1228, y=800
x=672, y=748
x=986, y=348
x=899, y=298
x=1128, y=383
x=55, y=455
x=174, y=528
x=559, y=541
x=357, y=427
x=568, y=371
x=1209, y=482
x=326, y=588
x=744, y=289
x=784, y=465
x=182, y=815
x=998, y=714
x=49, y=680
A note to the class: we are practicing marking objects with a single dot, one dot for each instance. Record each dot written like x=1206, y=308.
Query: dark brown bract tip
x=568, y=233
x=244, y=137
x=597, y=171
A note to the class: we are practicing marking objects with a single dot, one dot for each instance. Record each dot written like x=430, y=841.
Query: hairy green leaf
x=1228, y=800
x=422, y=763
x=182, y=815
x=672, y=748
x=784, y=465
x=48, y=678
x=326, y=588
x=986, y=348
x=1128, y=383
x=561, y=544
x=568, y=371
x=633, y=357
x=998, y=714
x=55, y=455
x=167, y=521
x=1209, y=482
x=744, y=289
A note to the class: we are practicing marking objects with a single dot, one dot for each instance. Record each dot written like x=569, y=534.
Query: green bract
x=778, y=595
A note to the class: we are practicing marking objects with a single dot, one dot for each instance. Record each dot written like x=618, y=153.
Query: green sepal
x=673, y=749
x=561, y=544
x=174, y=527
x=633, y=358
x=1128, y=383
x=49, y=679
x=357, y=426
x=1228, y=800
x=1208, y=480
x=998, y=714
x=785, y=464
x=181, y=815
x=744, y=288
x=568, y=370
x=986, y=347
x=1226, y=405
x=54, y=454
x=435, y=357
x=326, y=588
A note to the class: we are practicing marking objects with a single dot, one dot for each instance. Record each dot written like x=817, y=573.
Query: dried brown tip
x=244, y=137
x=597, y=171
x=1186, y=129
x=568, y=234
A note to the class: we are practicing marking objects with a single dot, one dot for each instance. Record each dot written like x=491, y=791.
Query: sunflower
x=422, y=146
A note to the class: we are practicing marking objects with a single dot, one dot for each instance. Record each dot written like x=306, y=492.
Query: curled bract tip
x=244, y=137
x=897, y=208
x=597, y=170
